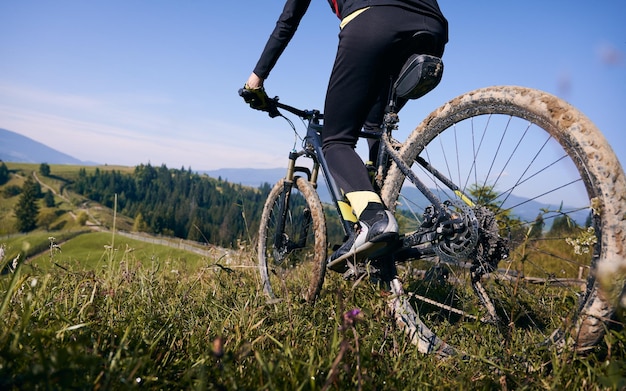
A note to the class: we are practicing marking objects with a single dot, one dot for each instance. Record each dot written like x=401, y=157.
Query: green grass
x=90, y=317
x=64, y=170
x=93, y=310
x=68, y=205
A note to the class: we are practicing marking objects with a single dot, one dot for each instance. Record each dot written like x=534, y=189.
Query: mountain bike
x=508, y=200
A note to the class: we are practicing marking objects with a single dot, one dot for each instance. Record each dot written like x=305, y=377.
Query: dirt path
x=224, y=255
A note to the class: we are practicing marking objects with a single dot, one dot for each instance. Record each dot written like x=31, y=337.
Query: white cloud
x=129, y=129
x=19, y=94
x=102, y=143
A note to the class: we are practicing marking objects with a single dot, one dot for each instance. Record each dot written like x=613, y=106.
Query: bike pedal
x=359, y=270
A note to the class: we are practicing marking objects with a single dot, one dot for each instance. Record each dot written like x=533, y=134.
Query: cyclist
x=372, y=47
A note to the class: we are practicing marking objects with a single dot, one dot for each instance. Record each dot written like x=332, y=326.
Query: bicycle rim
x=551, y=187
x=292, y=260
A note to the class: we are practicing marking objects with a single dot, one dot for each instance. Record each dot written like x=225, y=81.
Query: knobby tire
x=571, y=143
x=295, y=269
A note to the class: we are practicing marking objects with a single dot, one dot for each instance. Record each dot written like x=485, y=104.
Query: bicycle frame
x=440, y=218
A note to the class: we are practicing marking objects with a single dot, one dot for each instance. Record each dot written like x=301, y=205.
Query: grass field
x=105, y=312
x=84, y=308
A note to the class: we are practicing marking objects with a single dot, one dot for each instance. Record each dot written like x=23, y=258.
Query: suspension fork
x=283, y=203
x=281, y=240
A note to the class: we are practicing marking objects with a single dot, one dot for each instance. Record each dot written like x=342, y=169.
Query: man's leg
x=358, y=75
x=368, y=54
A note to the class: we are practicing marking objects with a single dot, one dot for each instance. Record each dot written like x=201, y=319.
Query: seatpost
x=391, y=119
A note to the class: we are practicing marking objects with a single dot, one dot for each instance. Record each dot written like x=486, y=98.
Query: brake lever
x=272, y=108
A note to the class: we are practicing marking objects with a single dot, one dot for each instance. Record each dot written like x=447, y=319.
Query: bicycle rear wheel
x=292, y=242
x=547, y=195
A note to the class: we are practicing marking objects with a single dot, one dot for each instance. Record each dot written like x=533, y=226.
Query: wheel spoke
x=534, y=185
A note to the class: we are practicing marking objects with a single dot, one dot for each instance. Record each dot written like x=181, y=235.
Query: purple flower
x=350, y=317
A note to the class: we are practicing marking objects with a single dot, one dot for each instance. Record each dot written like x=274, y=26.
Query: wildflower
x=15, y=262
x=352, y=316
x=584, y=242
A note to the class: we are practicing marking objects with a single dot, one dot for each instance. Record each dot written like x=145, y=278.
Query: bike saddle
x=423, y=69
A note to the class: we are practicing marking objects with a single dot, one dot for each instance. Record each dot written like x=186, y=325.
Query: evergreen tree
x=487, y=196
x=81, y=218
x=4, y=173
x=44, y=169
x=140, y=224
x=11, y=191
x=27, y=209
x=46, y=218
x=48, y=199
x=562, y=225
x=177, y=202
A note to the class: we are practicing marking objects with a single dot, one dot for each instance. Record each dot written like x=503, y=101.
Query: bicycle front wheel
x=547, y=195
x=292, y=242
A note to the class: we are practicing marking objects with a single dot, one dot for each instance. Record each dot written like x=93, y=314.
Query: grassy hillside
x=93, y=308
x=68, y=205
x=160, y=319
x=90, y=250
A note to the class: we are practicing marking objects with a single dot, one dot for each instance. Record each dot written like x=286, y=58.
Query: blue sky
x=130, y=82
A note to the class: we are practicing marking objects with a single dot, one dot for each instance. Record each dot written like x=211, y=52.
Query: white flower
x=15, y=262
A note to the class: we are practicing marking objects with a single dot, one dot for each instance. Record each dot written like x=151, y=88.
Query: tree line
x=187, y=205
x=177, y=202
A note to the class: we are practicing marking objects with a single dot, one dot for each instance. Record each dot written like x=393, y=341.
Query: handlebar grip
x=245, y=94
x=251, y=98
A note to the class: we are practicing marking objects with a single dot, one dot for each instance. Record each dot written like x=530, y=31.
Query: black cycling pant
x=369, y=53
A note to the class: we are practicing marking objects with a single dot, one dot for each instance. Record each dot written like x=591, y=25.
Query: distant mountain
x=20, y=149
x=253, y=177
x=525, y=209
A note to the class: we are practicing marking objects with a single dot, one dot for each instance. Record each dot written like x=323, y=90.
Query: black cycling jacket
x=294, y=10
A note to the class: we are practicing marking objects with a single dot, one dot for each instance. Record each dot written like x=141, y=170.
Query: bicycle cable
x=295, y=132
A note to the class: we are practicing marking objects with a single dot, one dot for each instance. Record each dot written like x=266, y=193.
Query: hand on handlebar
x=255, y=97
x=258, y=99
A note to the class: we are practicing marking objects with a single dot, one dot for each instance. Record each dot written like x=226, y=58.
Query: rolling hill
x=20, y=149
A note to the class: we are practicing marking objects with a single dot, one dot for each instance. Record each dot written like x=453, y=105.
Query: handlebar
x=273, y=105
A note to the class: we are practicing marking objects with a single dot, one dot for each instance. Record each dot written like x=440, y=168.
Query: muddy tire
x=537, y=162
x=292, y=259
